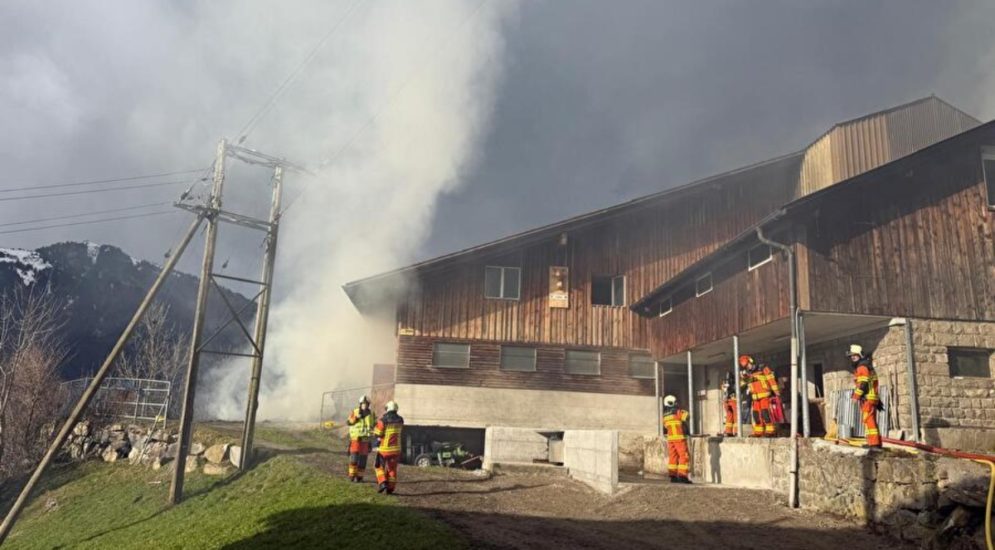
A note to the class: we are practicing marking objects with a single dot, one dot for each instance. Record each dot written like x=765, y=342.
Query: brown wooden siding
x=917, y=243
x=740, y=300
x=648, y=246
x=414, y=366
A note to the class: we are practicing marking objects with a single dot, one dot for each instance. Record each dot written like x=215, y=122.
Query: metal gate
x=846, y=412
x=126, y=398
x=337, y=404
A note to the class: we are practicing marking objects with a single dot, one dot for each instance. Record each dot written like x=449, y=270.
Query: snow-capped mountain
x=99, y=287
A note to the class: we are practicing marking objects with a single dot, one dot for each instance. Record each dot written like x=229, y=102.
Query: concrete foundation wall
x=514, y=445
x=591, y=456
x=472, y=407
x=748, y=463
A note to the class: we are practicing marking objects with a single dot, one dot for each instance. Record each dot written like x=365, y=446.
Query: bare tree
x=31, y=351
x=158, y=350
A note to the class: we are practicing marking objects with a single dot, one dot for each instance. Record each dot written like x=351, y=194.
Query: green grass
x=280, y=503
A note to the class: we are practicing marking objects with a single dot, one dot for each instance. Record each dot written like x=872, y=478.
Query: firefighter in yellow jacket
x=675, y=421
x=360, y=422
x=388, y=430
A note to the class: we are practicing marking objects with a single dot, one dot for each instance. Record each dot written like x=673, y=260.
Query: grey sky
x=605, y=101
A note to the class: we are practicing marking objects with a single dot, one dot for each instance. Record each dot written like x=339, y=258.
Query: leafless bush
x=157, y=351
x=31, y=351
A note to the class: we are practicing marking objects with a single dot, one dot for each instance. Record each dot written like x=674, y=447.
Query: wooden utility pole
x=186, y=416
x=91, y=390
x=262, y=317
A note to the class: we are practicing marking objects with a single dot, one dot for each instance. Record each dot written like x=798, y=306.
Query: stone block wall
x=954, y=412
x=591, y=456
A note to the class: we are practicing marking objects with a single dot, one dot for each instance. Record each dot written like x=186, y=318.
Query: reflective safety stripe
x=674, y=424
x=762, y=383
x=390, y=436
x=866, y=377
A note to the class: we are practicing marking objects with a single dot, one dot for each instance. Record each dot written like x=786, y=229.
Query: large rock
x=197, y=448
x=962, y=482
x=135, y=455
x=235, y=456
x=123, y=446
x=154, y=451
x=82, y=429
x=193, y=462
x=109, y=455
x=172, y=451
x=217, y=454
x=212, y=469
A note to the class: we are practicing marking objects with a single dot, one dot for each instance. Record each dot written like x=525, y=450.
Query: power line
x=102, y=220
x=250, y=125
x=390, y=100
x=94, y=182
x=90, y=191
x=86, y=214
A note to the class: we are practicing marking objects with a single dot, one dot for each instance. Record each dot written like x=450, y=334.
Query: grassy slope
x=280, y=503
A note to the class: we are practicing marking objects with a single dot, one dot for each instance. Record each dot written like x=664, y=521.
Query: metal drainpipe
x=690, y=395
x=793, y=304
x=803, y=368
x=735, y=369
x=656, y=401
x=910, y=357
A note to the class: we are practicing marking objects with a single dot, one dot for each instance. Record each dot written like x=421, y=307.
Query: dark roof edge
x=681, y=278
x=569, y=223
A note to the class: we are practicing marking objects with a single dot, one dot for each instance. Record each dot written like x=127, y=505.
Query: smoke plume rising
x=400, y=103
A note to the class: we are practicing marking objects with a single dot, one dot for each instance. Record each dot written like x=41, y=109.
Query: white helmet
x=855, y=349
x=670, y=401
x=364, y=399
x=391, y=406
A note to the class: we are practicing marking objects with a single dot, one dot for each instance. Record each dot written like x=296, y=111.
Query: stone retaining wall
x=918, y=497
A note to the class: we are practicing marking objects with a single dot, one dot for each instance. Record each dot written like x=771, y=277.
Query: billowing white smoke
x=403, y=94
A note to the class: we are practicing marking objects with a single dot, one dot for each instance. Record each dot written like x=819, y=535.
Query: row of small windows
x=505, y=283
x=523, y=359
x=757, y=256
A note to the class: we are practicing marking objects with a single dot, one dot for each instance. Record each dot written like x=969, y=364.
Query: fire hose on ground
x=974, y=457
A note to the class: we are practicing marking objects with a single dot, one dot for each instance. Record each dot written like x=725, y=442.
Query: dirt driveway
x=548, y=511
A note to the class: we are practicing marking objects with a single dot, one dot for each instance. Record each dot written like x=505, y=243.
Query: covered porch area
x=698, y=373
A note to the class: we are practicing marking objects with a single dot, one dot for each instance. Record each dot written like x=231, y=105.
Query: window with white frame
x=664, y=307
x=988, y=171
x=608, y=290
x=641, y=365
x=451, y=356
x=502, y=283
x=583, y=362
x=703, y=284
x=759, y=255
x=518, y=358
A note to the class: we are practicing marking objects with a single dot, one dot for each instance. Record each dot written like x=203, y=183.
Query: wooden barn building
x=569, y=325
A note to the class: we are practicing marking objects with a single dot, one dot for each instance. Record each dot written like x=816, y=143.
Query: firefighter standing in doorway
x=675, y=421
x=865, y=392
x=388, y=430
x=361, y=421
x=762, y=385
x=729, y=404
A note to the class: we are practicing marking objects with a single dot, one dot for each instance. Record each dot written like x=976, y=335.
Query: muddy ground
x=549, y=511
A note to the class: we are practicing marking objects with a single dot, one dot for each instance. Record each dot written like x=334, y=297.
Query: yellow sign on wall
x=559, y=287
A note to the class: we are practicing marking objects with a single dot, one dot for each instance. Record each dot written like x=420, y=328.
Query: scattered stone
x=51, y=504
x=115, y=428
x=213, y=469
x=217, y=454
x=960, y=518
x=134, y=456
x=235, y=456
x=82, y=429
x=197, y=449
x=193, y=462
x=122, y=445
x=110, y=455
x=172, y=451
x=160, y=435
